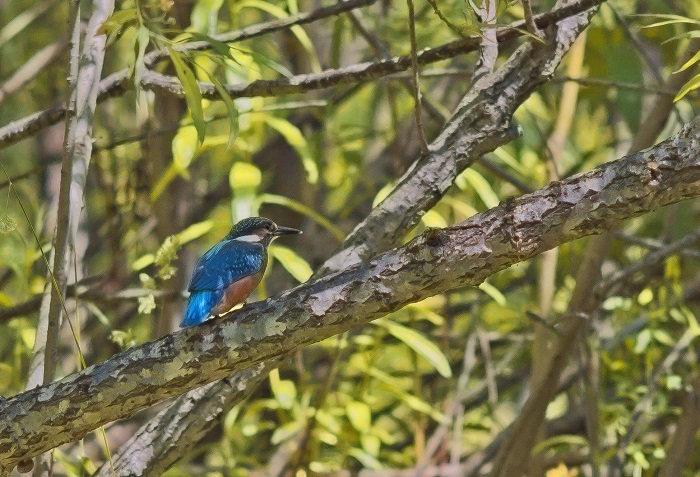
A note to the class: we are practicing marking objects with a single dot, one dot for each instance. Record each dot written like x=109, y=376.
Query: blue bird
x=231, y=269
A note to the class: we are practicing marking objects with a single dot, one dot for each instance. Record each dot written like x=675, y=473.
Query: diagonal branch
x=480, y=123
x=483, y=128
x=464, y=255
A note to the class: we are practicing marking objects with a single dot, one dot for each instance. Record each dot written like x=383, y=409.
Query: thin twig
x=415, y=77
x=117, y=83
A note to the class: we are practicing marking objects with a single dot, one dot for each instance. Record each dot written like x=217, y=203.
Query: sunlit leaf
x=184, y=147
x=367, y=460
x=382, y=194
x=244, y=176
x=293, y=263
x=359, y=415
x=231, y=110
x=5, y=377
x=297, y=30
x=694, y=83
x=432, y=218
x=480, y=186
x=285, y=432
x=689, y=63
x=193, y=96
x=195, y=231
x=420, y=344
x=284, y=390
x=296, y=139
x=304, y=210
x=494, y=293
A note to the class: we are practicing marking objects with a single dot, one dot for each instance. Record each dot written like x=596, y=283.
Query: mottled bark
x=440, y=260
x=158, y=444
x=481, y=126
x=480, y=123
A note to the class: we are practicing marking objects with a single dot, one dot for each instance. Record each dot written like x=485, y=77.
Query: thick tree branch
x=117, y=83
x=463, y=255
x=479, y=124
x=480, y=127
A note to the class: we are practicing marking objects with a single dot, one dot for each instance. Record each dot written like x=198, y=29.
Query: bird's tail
x=198, y=308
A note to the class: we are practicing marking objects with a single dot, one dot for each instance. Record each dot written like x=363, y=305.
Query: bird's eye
x=268, y=227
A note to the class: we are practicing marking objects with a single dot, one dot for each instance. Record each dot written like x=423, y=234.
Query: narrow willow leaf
x=420, y=344
x=296, y=139
x=480, y=185
x=694, y=83
x=194, y=231
x=193, y=96
x=230, y=108
x=304, y=210
x=284, y=390
x=297, y=30
x=293, y=263
x=494, y=293
x=359, y=415
x=690, y=62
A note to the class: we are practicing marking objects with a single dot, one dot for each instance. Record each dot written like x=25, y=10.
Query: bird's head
x=258, y=230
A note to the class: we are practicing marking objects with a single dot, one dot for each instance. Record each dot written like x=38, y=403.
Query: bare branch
x=117, y=83
x=480, y=123
x=37, y=420
x=507, y=76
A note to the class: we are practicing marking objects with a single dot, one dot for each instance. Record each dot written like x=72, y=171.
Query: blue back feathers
x=199, y=306
x=225, y=263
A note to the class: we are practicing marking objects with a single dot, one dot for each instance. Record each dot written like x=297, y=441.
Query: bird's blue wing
x=225, y=263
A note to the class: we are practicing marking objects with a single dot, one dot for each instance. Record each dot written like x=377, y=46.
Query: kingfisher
x=231, y=269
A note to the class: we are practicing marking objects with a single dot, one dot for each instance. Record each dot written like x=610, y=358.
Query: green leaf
x=296, y=139
x=143, y=261
x=7, y=224
x=371, y=444
x=433, y=218
x=193, y=96
x=694, y=83
x=493, y=292
x=359, y=415
x=382, y=194
x=284, y=390
x=304, y=210
x=231, y=109
x=690, y=62
x=194, y=231
x=643, y=340
x=220, y=47
x=418, y=343
x=298, y=31
x=286, y=432
x=645, y=296
x=184, y=147
x=244, y=176
x=561, y=440
x=293, y=263
x=143, y=38
x=367, y=460
x=480, y=186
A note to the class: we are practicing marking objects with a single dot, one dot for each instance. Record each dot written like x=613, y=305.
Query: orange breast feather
x=237, y=293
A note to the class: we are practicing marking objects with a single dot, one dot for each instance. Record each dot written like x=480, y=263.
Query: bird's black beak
x=285, y=231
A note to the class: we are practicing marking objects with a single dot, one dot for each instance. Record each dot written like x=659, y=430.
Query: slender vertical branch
x=415, y=77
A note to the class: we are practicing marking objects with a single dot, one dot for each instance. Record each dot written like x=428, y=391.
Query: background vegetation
x=432, y=386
